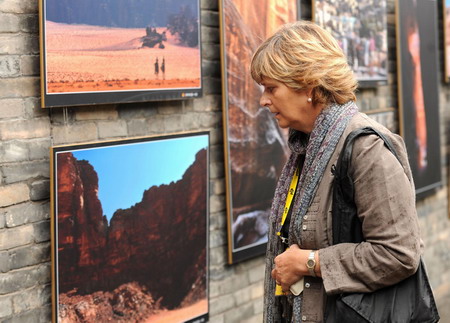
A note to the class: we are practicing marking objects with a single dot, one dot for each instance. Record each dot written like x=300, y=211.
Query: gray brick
x=239, y=313
x=170, y=107
x=16, y=237
x=210, y=18
x=210, y=4
x=210, y=68
x=9, y=23
x=24, y=278
x=19, y=44
x=212, y=86
x=138, y=127
x=105, y=112
x=137, y=110
x=13, y=194
x=19, y=6
x=221, y=304
x=256, y=274
x=42, y=231
x=4, y=263
x=216, y=170
x=32, y=107
x=13, y=151
x=29, y=256
x=25, y=129
x=234, y=283
x=31, y=299
x=39, y=148
x=210, y=119
x=25, y=213
x=9, y=65
x=211, y=51
x=11, y=108
x=40, y=315
x=173, y=123
x=217, y=256
x=154, y=125
x=40, y=190
x=29, y=23
x=217, y=203
x=13, y=173
x=210, y=34
x=5, y=306
x=111, y=129
x=29, y=65
x=217, y=238
x=80, y=132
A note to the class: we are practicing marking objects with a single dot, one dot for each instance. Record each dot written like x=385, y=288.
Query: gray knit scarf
x=327, y=131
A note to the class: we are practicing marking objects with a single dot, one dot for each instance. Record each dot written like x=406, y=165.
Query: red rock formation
x=158, y=243
x=82, y=229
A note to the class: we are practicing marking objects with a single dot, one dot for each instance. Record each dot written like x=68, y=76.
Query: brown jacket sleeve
x=385, y=200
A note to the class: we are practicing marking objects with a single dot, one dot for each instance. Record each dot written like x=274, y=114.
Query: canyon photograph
x=130, y=232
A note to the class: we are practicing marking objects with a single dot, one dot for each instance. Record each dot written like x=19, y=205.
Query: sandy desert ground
x=179, y=315
x=84, y=58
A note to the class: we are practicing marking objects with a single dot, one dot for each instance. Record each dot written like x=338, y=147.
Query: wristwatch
x=311, y=264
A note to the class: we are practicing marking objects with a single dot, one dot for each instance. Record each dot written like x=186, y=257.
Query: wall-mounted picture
x=417, y=54
x=446, y=33
x=361, y=30
x=255, y=147
x=129, y=230
x=115, y=51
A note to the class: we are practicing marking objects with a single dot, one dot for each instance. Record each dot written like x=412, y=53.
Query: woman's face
x=290, y=107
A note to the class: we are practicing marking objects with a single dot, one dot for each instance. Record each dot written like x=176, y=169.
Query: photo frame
x=129, y=230
x=417, y=57
x=99, y=52
x=361, y=30
x=255, y=147
x=446, y=35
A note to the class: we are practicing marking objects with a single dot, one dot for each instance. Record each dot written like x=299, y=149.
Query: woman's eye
x=269, y=89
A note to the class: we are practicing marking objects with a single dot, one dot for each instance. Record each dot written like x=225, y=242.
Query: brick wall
x=27, y=132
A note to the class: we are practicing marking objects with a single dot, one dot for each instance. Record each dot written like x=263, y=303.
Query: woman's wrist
x=312, y=263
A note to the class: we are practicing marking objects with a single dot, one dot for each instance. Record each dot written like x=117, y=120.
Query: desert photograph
x=121, y=46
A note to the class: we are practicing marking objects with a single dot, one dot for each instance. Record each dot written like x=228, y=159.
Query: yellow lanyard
x=289, y=197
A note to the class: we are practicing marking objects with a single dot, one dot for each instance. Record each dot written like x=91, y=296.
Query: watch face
x=310, y=263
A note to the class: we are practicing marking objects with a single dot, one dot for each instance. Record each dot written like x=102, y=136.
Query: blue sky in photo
x=447, y=3
x=126, y=171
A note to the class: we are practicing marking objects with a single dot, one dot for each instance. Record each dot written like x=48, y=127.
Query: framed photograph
x=129, y=230
x=255, y=147
x=446, y=33
x=97, y=52
x=418, y=86
x=361, y=30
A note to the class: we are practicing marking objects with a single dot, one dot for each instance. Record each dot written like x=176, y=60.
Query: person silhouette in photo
x=163, y=68
x=156, y=67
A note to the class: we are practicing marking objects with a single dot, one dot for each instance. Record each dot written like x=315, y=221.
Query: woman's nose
x=264, y=101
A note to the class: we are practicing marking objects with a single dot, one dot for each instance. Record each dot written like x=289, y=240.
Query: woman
x=309, y=88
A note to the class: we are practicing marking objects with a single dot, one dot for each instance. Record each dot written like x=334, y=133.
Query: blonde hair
x=304, y=56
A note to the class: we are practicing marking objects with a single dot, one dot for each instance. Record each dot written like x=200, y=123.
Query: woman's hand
x=290, y=266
